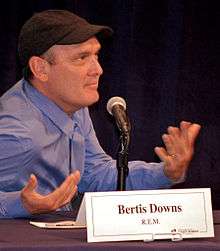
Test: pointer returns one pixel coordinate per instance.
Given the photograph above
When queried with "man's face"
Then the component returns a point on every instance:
(74, 75)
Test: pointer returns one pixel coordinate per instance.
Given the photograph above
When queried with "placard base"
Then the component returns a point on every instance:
(172, 236)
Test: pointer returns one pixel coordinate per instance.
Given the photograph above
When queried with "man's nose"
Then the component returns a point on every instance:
(95, 67)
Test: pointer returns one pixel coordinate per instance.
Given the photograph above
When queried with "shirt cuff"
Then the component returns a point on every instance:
(180, 180)
(11, 205)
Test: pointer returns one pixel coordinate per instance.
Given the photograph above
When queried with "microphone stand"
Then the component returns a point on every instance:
(122, 161)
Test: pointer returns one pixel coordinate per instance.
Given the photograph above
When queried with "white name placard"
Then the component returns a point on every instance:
(147, 215)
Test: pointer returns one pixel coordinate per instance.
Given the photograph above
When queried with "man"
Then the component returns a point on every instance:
(48, 147)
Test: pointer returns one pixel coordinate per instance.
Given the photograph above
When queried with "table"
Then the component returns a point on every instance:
(19, 235)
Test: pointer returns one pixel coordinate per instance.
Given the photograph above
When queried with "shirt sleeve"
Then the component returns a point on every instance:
(12, 156)
(100, 172)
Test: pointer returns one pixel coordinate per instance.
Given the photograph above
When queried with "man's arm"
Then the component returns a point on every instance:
(18, 197)
(11, 159)
(100, 169)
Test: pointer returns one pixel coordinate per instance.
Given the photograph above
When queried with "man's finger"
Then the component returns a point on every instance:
(184, 126)
(71, 189)
(66, 196)
(31, 185)
(161, 153)
(168, 142)
(174, 131)
(71, 195)
(76, 176)
(193, 132)
(66, 189)
(70, 181)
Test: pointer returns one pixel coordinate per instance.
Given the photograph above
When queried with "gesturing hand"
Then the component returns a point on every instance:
(179, 149)
(36, 203)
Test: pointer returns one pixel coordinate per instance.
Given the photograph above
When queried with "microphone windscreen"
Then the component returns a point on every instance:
(115, 101)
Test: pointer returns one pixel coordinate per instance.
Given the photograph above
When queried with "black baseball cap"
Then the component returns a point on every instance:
(50, 27)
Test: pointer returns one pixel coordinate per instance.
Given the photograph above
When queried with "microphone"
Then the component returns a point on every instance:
(116, 106)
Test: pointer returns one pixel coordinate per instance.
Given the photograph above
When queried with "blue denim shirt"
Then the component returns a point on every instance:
(37, 137)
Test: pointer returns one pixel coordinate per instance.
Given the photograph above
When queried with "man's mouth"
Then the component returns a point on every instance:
(92, 85)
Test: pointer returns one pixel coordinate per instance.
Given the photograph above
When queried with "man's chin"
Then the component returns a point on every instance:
(93, 99)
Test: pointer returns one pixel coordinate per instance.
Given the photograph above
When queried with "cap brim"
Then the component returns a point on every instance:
(82, 35)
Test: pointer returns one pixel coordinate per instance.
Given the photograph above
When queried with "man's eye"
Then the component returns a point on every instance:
(82, 57)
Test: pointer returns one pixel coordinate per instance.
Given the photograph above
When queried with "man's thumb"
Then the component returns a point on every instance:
(31, 185)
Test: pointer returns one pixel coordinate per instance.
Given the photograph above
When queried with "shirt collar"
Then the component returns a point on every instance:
(50, 109)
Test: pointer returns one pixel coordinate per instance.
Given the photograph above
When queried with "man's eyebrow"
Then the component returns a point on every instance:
(87, 51)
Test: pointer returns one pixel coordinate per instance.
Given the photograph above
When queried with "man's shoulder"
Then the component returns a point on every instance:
(13, 90)
(15, 101)
(16, 110)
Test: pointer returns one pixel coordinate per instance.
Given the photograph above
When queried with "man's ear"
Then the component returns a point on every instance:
(39, 68)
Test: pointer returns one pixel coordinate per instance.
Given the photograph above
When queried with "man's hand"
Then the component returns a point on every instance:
(36, 203)
(179, 144)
